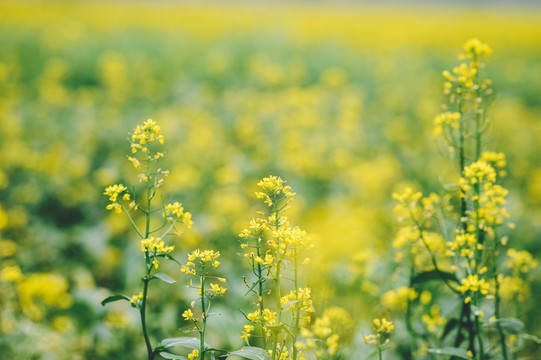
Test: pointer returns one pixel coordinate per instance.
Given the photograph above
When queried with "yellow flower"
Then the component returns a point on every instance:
(193, 355)
(247, 332)
(187, 315)
(155, 245)
(113, 192)
(217, 289)
(43, 289)
(472, 283)
(11, 274)
(273, 187)
(136, 298)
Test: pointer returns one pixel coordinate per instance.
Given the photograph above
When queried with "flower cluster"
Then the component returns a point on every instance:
(398, 298)
(445, 121)
(520, 262)
(473, 284)
(479, 173)
(299, 299)
(407, 204)
(176, 211)
(113, 192)
(144, 135)
(273, 190)
(194, 355)
(135, 299)
(198, 259)
(433, 320)
(155, 245)
(39, 289)
(382, 328)
(321, 338)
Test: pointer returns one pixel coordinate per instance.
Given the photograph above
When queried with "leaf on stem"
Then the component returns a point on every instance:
(433, 275)
(167, 355)
(451, 324)
(164, 277)
(187, 342)
(114, 298)
(167, 256)
(509, 325)
(251, 352)
(451, 351)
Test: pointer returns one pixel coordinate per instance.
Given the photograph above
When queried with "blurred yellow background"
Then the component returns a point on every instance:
(337, 98)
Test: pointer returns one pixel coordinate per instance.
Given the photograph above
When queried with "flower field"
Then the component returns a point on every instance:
(332, 179)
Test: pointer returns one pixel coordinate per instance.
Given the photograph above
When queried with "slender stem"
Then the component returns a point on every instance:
(409, 325)
(478, 133)
(277, 279)
(142, 311)
(148, 265)
(462, 164)
(432, 256)
(497, 300)
(132, 222)
(203, 316)
(297, 305)
(260, 289)
(479, 338)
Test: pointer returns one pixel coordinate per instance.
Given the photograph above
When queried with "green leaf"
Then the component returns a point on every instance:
(254, 285)
(167, 256)
(251, 352)
(531, 337)
(187, 342)
(433, 275)
(372, 355)
(451, 351)
(509, 325)
(288, 304)
(164, 277)
(114, 298)
(451, 324)
(167, 355)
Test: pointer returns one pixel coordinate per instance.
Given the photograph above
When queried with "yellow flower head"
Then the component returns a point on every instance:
(144, 134)
(187, 315)
(474, 47)
(136, 298)
(193, 355)
(200, 258)
(155, 245)
(273, 190)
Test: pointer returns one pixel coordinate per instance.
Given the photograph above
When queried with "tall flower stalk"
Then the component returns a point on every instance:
(145, 142)
(270, 241)
(199, 264)
(462, 248)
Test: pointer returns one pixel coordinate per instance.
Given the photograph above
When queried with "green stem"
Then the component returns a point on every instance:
(260, 289)
(297, 306)
(132, 222)
(409, 325)
(432, 256)
(479, 338)
(203, 316)
(497, 300)
(478, 134)
(277, 279)
(462, 165)
(142, 311)
(148, 265)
